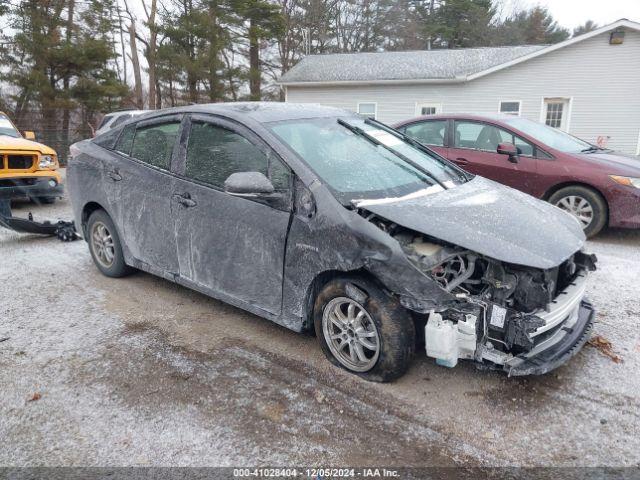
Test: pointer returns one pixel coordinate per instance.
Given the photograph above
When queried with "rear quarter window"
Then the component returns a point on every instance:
(125, 140)
(108, 140)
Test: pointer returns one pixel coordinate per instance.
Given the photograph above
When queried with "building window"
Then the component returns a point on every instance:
(556, 112)
(510, 108)
(428, 108)
(368, 110)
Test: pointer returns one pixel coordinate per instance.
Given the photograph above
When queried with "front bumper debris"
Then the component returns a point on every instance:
(65, 231)
(575, 335)
(546, 339)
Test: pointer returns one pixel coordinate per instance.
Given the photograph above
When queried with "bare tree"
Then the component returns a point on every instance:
(152, 47)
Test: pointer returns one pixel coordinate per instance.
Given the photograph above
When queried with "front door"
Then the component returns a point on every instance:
(232, 246)
(145, 189)
(475, 149)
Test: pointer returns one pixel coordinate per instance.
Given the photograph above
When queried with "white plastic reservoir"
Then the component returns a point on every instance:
(446, 341)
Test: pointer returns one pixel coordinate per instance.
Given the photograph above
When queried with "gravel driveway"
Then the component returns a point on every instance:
(139, 371)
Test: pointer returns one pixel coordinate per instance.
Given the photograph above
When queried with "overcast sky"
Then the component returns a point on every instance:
(571, 13)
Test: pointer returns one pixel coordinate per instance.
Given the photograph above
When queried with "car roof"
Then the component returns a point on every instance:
(119, 113)
(493, 117)
(260, 112)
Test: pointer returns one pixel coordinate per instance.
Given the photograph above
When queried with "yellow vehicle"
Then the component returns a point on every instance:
(27, 168)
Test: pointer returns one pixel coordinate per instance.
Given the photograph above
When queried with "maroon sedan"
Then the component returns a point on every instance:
(598, 186)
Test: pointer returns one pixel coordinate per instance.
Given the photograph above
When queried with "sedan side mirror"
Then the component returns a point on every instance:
(248, 184)
(28, 135)
(508, 149)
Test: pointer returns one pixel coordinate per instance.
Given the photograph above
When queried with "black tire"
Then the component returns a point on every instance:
(115, 268)
(394, 327)
(596, 202)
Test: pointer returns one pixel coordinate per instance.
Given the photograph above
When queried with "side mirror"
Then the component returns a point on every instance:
(248, 184)
(508, 149)
(29, 135)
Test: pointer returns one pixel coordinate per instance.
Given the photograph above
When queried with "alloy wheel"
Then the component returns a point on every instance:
(103, 245)
(351, 334)
(577, 206)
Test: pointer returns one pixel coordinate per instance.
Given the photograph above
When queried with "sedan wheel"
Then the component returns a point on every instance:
(104, 245)
(579, 207)
(363, 329)
(585, 204)
(102, 242)
(350, 334)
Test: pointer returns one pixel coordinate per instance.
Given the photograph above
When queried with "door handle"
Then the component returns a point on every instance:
(462, 161)
(184, 200)
(114, 175)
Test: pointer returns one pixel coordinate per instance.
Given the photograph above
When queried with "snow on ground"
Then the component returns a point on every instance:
(140, 371)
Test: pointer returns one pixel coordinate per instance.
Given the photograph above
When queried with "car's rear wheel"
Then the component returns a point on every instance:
(585, 204)
(105, 246)
(364, 330)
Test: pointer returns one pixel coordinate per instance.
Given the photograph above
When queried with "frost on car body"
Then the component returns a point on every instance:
(314, 217)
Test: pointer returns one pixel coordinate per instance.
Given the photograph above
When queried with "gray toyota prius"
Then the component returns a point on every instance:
(319, 219)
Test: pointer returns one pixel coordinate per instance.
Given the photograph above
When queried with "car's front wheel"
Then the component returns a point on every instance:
(584, 204)
(364, 330)
(105, 246)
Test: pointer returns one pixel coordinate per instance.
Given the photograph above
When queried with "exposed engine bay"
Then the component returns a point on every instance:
(499, 309)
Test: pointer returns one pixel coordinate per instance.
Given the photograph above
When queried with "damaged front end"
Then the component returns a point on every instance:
(519, 319)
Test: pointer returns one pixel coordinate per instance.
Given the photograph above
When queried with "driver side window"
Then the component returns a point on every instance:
(214, 153)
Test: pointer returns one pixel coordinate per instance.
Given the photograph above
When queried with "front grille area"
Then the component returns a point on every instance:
(19, 162)
(563, 307)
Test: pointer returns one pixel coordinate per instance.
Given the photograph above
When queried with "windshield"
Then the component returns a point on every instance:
(7, 128)
(550, 136)
(355, 167)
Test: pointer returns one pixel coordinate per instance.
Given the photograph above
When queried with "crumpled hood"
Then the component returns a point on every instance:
(490, 219)
(12, 143)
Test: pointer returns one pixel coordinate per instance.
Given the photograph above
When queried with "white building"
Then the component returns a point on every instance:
(588, 85)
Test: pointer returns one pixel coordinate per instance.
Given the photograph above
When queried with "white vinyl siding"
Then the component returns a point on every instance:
(600, 79)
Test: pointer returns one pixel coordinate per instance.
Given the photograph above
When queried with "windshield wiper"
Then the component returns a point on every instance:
(591, 148)
(359, 131)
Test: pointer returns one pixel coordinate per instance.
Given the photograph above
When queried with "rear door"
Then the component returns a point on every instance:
(145, 186)
(232, 246)
(432, 133)
(474, 148)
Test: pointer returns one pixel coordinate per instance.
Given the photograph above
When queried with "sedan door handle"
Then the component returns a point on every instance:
(184, 200)
(114, 175)
(462, 161)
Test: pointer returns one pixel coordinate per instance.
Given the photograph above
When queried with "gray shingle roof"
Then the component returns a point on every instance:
(415, 65)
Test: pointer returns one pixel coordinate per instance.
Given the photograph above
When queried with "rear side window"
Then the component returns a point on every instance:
(214, 153)
(153, 144)
(124, 143)
(429, 133)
